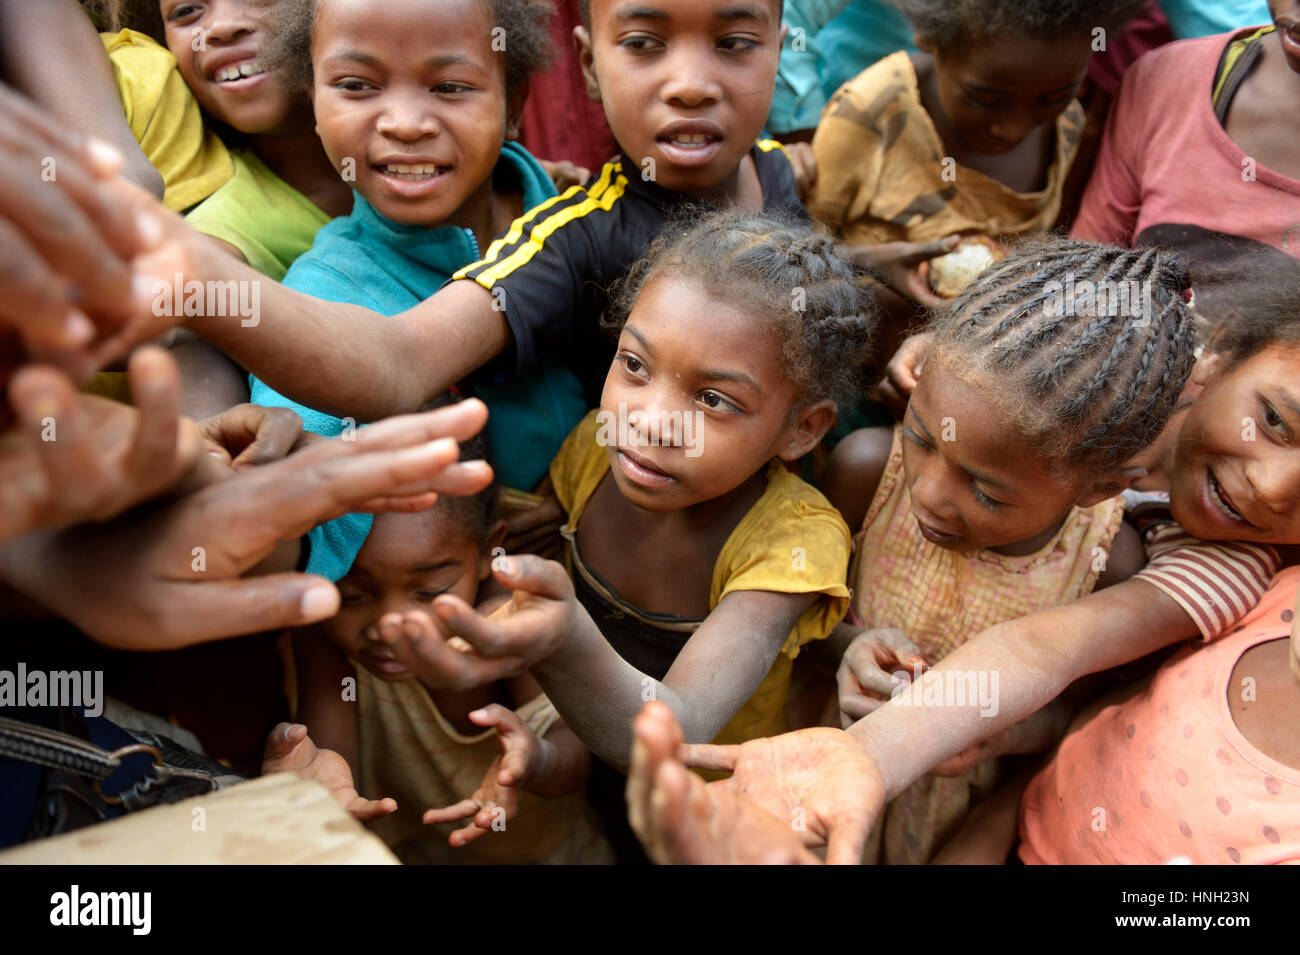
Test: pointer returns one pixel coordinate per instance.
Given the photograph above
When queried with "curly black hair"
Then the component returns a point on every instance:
(952, 23)
(526, 46)
(789, 272)
(1090, 346)
(475, 514)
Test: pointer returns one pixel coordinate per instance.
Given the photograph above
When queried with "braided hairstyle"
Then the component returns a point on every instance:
(954, 23)
(789, 273)
(1089, 347)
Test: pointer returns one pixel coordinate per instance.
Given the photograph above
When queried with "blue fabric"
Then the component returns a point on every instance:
(829, 43)
(1193, 18)
(365, 259)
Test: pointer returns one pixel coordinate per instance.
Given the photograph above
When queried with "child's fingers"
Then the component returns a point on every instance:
(38, 302)
(275, 432)
(847, 836)
(165, 444)
(367, 809)
(210, 611)
(457, 811)
(534, 575)
(709, 756)
(463, 837)
(406, 504)
(857, 706)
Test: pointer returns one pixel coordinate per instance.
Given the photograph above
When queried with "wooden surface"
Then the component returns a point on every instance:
(276, 819)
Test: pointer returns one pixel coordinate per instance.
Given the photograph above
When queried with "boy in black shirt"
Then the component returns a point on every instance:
(686, 86)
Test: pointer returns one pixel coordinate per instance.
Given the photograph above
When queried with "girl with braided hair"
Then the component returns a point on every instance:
(998, 494)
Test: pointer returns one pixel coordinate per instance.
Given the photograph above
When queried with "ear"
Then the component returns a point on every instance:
(491, 549)
(515, 100)
(810, 426)
(924, 43)
(1111, 485)
(586, 61)
(1208, 365)
(785, 30)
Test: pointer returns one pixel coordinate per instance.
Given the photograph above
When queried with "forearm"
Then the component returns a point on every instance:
(562, 764)
(51, 52)
(1024, 665)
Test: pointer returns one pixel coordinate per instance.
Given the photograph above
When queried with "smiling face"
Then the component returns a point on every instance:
(693, 360)
(406, 561)
(685, 83)
(413, 93)
(974, 481)
(1236, 466)
(216, 44)
(995, 93)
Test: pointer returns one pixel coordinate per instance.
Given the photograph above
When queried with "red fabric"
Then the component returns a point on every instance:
(1146, 31)
(560, 120)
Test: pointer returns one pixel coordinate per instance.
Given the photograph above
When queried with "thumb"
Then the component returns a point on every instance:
(506, 721)
(534, 575)
(924, 251)
(282, 741)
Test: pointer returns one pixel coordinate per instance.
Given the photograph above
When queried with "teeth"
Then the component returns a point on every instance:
(692, 139)
(238, 71)
(418, 171)
(1218, 499)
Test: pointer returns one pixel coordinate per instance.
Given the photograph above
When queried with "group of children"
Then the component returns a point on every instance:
(1094, 457)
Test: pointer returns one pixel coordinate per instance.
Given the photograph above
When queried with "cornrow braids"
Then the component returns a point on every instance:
(526, 46)
(953, 23)
(792, 276)
(1088, 345)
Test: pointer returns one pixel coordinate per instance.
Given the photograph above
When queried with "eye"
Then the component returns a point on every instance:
(1274, 420)
(715, 402)
(984, 499)
(979, 103)
(181, 11)
(352, 84)
(736, 44)
(632, 365)
(915, 438)
(640, 44)
(427, 596)
(449, 88)
(351, 600)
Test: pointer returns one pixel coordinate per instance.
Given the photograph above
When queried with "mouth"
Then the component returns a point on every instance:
(641, 472)
(412, 172)
(1221, 502)
(936, 536)
(238, 73)
(1289, 30)
(385, 666)
(690, 143)
(412, 180)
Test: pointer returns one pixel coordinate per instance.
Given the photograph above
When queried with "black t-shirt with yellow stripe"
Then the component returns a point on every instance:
(552, 269)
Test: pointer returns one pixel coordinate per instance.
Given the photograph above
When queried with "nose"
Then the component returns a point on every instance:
(228, 21)
(371, 632)
(407, 118)
(1011, 128)
(1275, 480)
(657, 418)
(693, 83)
(934, 492)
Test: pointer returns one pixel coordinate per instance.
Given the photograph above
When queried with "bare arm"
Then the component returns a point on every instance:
(330, 719)
(1034, 659)
(599, 693)
(51, 52)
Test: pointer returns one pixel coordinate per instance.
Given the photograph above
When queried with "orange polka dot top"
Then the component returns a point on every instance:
(1167, 774)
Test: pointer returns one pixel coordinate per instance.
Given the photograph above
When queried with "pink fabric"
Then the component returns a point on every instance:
(1166, 160)
(1167, 773)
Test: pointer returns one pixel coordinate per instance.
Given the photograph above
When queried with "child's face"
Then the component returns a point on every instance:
(1286, 14)
(1236, 470)
(216, 45)
(998, 92)
(412, 93)
(974, 484)
(695, 366)
(406, 561)
(686, 84)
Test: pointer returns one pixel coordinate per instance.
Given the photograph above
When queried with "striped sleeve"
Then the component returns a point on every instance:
(1216, 582)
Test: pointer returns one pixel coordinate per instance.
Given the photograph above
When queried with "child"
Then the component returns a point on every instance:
(412, 85)
(975, 133)
(283, 188)
(1198, 156)
(686, 88)
(704, 563)
(1205, 764)
(997, 496)
(429, 747)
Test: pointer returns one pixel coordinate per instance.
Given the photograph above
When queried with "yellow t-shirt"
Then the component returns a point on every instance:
(261, 215)
(882, 174)
(166, 120)
(791, 541)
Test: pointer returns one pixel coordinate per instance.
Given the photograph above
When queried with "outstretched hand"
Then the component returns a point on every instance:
(497, 798)
(290, 750)
(809, 788)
